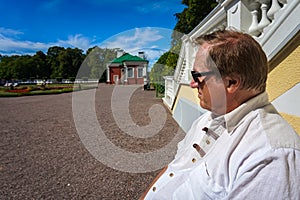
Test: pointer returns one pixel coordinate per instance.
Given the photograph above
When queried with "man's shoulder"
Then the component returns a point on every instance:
(277, 130)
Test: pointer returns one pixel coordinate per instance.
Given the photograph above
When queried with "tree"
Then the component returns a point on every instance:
(43, 69)
(4, 68)
(23, 67)
(157, 71)
(69, 61)
(94, 65)
(191, 16)
(52, 61)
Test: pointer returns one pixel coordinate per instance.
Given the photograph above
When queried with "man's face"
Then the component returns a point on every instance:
(211, 89)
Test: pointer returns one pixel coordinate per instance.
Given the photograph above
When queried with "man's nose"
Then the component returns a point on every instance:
(193, 84)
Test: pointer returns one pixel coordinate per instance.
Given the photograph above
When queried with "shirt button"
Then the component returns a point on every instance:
(194, 160)
(154, 189)
(171, 174)
(207, 142)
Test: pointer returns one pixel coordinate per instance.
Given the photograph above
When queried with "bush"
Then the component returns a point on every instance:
(160, 90)
(59, 79)
(72, 79)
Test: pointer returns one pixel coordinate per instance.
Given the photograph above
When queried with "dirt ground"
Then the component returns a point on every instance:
(42, 156)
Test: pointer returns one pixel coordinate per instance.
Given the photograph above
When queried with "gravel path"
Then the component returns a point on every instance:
(42, 156)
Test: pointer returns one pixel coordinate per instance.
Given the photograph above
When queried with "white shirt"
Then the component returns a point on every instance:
(249, 153)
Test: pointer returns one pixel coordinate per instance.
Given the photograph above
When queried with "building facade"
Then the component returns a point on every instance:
(127, 69)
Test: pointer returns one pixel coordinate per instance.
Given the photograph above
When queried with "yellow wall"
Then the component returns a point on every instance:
(187, 92)
(282, 78)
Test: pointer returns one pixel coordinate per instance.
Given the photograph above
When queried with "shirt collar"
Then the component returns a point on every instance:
(216, 124)
(234, 117)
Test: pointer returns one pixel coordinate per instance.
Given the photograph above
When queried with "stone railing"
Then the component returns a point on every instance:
(169, 91)
(263, 14)
(271, 22)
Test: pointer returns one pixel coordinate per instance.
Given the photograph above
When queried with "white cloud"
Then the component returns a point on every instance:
(11, 44)
(153, 41)
(77, 40)
(134, 38)
(153, 55)
(10, 32)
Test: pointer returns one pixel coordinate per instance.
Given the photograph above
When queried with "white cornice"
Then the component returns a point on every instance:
(211, 21)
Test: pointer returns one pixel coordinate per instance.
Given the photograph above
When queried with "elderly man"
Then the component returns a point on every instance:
(241, 148)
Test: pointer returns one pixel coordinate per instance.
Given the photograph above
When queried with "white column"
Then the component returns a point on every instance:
(145, 68)
(126, 73)
(264, 18)
(274, 8)
(190, 54)
(107, 74)
(253, 29)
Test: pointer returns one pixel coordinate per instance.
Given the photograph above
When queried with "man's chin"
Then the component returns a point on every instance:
(204, 106)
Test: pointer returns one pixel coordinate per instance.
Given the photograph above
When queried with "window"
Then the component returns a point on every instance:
(130, 73)
(140, 72)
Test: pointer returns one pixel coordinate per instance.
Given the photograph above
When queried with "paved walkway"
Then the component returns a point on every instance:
(42, 156)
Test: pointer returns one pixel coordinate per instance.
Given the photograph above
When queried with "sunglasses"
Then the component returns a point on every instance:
(196, 75)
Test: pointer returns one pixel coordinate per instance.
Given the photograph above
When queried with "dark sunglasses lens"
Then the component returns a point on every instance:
(196, 79)
(195, 76)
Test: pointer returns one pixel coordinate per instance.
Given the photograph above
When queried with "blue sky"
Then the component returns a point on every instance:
(33, 25)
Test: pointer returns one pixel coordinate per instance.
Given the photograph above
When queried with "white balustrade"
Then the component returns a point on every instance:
(274, 8)
(266, 10)
(283, 2)
(253, 29)
(264, 18)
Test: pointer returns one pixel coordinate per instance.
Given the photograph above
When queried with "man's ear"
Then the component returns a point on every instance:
(232, 84)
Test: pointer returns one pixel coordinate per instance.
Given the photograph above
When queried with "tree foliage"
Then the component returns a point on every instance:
(193, 14)
(96, 61)
(158, 68)
(57, 63)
